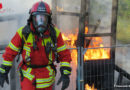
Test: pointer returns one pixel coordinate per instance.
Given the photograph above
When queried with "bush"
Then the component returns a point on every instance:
(123, 30)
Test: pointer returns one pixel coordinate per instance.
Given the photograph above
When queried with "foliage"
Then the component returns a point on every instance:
(123, 30)
(123, 23)
(124, 8)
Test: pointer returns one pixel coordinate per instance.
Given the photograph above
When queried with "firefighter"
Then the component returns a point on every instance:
(40, 44)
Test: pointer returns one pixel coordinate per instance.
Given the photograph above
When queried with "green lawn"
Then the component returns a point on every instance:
(123, 30)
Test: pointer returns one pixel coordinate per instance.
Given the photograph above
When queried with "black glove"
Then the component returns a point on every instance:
(4, 70)
(65, 72)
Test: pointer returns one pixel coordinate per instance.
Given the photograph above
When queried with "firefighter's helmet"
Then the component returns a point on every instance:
(40, 15)
(40, 7)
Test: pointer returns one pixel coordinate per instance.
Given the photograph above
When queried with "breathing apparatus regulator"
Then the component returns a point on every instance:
(40, 16)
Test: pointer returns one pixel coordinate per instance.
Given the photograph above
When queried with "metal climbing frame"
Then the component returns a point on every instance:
(82, 45)
(82, 74)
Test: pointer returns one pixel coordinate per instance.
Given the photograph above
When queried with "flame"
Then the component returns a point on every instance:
(59, 9)
(70, 40)
(87, 87)
(94, 54)
(91, 54)
(86, 30)
(100, 53)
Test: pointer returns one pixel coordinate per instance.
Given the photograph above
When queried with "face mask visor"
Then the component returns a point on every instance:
(40, 22)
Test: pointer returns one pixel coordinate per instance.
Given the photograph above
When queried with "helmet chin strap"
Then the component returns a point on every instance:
(41, 34)
(41, 29)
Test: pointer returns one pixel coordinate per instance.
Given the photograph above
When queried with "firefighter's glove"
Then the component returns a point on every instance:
(65, 72)
(4, 70)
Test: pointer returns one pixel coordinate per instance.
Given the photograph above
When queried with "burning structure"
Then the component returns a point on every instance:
(90, 35)
(93, 43)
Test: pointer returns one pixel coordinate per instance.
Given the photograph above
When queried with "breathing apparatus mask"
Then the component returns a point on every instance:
(40, 22)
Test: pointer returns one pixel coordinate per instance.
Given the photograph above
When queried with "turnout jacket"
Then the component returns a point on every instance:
(38, 56)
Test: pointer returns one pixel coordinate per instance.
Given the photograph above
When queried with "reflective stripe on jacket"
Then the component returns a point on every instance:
(38, 57)
(16, 44)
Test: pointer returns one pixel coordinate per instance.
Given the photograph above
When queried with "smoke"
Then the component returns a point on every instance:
(68, 23)
(13, 15)
(100, 10)
(19, 6)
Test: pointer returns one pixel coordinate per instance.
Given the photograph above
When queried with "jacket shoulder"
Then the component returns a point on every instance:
(19, 31)
(57, 31)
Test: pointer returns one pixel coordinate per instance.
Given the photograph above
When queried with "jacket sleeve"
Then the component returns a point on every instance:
(63, 52)
(13, 48)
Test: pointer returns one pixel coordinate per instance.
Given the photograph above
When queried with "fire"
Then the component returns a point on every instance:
(87, 87)
(59, 9)
(91, 54)
(70, 40)
(100, 53)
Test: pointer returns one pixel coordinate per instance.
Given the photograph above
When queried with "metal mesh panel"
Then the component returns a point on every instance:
(98, 73)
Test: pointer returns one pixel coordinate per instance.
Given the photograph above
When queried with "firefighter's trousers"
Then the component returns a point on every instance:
(37, 78)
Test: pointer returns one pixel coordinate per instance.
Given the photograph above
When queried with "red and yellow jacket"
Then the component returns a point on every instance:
(38, 57)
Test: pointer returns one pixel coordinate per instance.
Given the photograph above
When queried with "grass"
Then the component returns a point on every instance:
(123, 30)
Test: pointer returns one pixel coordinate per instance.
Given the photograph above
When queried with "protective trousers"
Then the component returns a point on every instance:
(26, 84)
(37, 78)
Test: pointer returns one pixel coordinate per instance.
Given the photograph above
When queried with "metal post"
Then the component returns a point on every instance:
(113, 31)
(114, 22)
(54, 11)
(122, 72)
(54, 20)
(80, 76)
(78, 69)
(80, 45)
